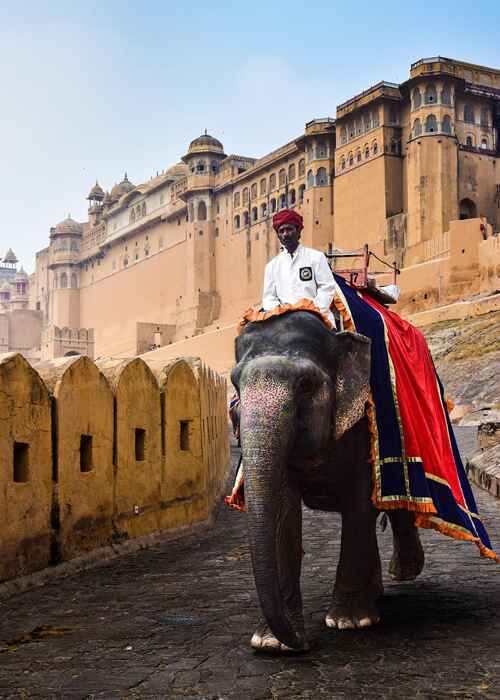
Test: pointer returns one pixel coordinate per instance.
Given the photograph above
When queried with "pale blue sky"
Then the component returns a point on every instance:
(91, 89)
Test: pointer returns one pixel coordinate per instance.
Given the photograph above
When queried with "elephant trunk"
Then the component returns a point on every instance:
(273, 505)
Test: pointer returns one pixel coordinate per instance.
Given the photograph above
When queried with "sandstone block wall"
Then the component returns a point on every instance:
(92, 454)
(25, 469)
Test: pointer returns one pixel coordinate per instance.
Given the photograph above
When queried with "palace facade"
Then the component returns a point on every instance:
(411, 169)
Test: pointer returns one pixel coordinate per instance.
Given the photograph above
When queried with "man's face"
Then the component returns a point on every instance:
(289, 236)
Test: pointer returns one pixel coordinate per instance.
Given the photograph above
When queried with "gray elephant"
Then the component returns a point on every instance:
(304, 437)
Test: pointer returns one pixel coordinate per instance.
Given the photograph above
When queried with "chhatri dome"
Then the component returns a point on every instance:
(10, 257)
(96, 192)
(121, 188)
(206, 143)
(68, 225)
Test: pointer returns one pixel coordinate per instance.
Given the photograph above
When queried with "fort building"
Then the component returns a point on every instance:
(412, 169)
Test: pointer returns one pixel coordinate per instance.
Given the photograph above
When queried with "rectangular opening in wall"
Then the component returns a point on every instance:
(86, 464)
(140, 444)
(184, 435)
(21, 462)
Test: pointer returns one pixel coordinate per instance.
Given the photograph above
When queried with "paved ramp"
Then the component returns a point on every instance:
(175, 622)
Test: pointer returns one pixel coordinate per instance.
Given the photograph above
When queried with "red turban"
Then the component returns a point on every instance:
(287, 216)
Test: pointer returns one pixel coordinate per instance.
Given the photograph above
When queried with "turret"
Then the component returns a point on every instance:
(95, 199)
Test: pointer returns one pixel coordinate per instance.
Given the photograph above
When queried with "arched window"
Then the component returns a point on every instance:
(321, 177)
(358, 156)
(358, 125)
(263, 186)
(132, 216)
(310, 179)
(245, 195)
(484, 143)
(292, 197)
(469, 115)
(263, 210)
(214, 166)
(73, 281)
(282, 177)
(350, 158)
(469, 141)
(64, 280)
(430, 124)
(343, 135)
(352, 131)
(272, 182)
(202, 211)
(237, 221)
(253, 191)
(446, 95)
(367, 150)
(273, 205)
(342, 163)
(430, 94)
(200, 166)
(291, 172)
(468, 209)
(375, 119)
(143, 209)
(446, 125)
(246, 218)
(374, 148)
(416, 98)
(321, 150)
(302, 167)
(484, 116)
(236, 199)
(367, 120)
(282, 201)
(255, 214)
(301, 193)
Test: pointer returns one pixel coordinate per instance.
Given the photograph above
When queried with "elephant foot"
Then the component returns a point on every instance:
(407, 559)
(264, 641)
(351, 611)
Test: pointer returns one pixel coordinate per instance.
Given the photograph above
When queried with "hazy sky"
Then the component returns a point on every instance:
(93, 89)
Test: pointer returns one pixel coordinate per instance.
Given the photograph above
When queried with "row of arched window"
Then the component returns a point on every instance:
(275, 180)
(137, 212)
(318, 180)
(431, 126)
(431, 96)
(470, 142)
(264, 211)
(359, 126)
(204, 166)
(368, 151)
(470, 115)
(63, 281)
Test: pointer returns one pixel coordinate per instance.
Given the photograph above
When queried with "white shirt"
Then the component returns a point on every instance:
(305, 274)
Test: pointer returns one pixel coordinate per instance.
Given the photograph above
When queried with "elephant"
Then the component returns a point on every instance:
(305, 438)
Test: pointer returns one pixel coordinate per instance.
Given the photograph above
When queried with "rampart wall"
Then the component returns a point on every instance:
(93, 454)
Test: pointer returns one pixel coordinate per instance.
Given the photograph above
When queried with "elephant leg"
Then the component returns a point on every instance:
(359, 580)
(289, 545)
(408, 555)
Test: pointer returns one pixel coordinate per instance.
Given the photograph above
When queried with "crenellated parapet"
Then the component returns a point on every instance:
(96, 454)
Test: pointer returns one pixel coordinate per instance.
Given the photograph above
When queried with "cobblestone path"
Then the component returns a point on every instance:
(175, 622)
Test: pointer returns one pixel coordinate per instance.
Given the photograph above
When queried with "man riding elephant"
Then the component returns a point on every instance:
(353, 422)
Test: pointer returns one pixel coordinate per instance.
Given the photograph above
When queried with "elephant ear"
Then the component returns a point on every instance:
(353, 380)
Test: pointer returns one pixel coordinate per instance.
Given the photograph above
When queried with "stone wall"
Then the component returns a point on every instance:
(95, 454)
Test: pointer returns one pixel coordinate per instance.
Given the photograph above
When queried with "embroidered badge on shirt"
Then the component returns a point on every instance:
(306, 274)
